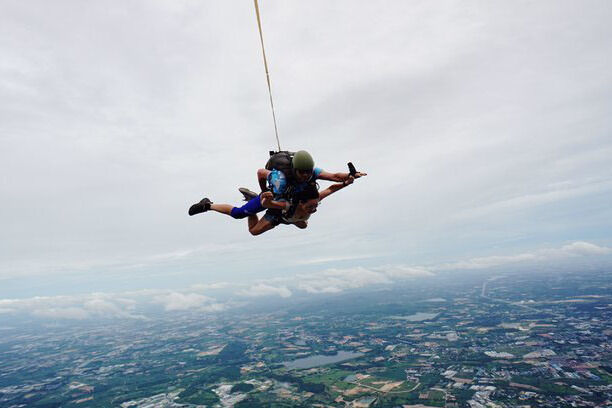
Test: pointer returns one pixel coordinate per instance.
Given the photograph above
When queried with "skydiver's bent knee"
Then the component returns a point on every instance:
(253, 206)
(255, 232)
(261, 227)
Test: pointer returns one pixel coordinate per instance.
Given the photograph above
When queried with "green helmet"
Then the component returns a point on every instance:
(302, 160)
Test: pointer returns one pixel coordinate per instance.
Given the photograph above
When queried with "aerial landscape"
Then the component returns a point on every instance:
(501, 341)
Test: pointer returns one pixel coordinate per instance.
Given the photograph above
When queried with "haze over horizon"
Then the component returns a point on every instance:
(484, 129)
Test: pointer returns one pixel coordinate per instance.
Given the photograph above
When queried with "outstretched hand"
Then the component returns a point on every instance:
(353, 171)
(354, 176)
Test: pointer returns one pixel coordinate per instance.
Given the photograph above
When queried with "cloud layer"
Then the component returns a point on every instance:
(543, 256)
(222, 296)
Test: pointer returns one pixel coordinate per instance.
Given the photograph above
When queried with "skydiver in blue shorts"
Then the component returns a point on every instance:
(283, 185)
(296, 212)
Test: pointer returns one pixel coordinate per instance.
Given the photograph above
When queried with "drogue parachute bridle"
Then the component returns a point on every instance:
(263, 51)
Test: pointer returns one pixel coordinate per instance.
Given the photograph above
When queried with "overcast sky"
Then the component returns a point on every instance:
(484, 126)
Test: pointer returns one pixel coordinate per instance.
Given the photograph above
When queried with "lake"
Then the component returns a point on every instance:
(319, 360)
(417, 317)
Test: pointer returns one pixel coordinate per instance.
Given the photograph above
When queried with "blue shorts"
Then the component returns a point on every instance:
(252, 207)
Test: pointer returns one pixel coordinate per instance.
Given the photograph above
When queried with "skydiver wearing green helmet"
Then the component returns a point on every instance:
(282, 181)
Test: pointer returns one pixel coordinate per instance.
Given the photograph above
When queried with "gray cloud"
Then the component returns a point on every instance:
(338, 280)
(583, 250)
(481, 126)
(262, 289)
(72, 313)
(84, 306)
(186, 301)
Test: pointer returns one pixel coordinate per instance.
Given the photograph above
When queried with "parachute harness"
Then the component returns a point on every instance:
(263, 51)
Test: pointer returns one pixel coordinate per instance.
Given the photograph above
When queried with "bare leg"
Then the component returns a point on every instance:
(260, 226)
(222, 208)
(253, 220)
(256, 226)
(301, 224)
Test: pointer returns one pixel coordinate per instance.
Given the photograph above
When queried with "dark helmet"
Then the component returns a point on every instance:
(302, 160)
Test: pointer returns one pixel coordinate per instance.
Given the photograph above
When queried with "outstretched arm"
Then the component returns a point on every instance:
(339, 176)
(335, 187)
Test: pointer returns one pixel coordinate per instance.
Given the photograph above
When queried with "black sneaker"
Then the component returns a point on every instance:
(248, 194)
(202, 206)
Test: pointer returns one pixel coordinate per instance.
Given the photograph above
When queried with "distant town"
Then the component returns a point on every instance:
(490, 340)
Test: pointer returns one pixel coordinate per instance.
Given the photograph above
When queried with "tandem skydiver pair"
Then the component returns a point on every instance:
(289, 192)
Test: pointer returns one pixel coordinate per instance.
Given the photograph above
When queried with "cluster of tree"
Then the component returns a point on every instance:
(232, 353)
(242, 387)
(253, 402)
(301, 384)
(196, 395)
(234, 350)
(546, 385)
(412, 398)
